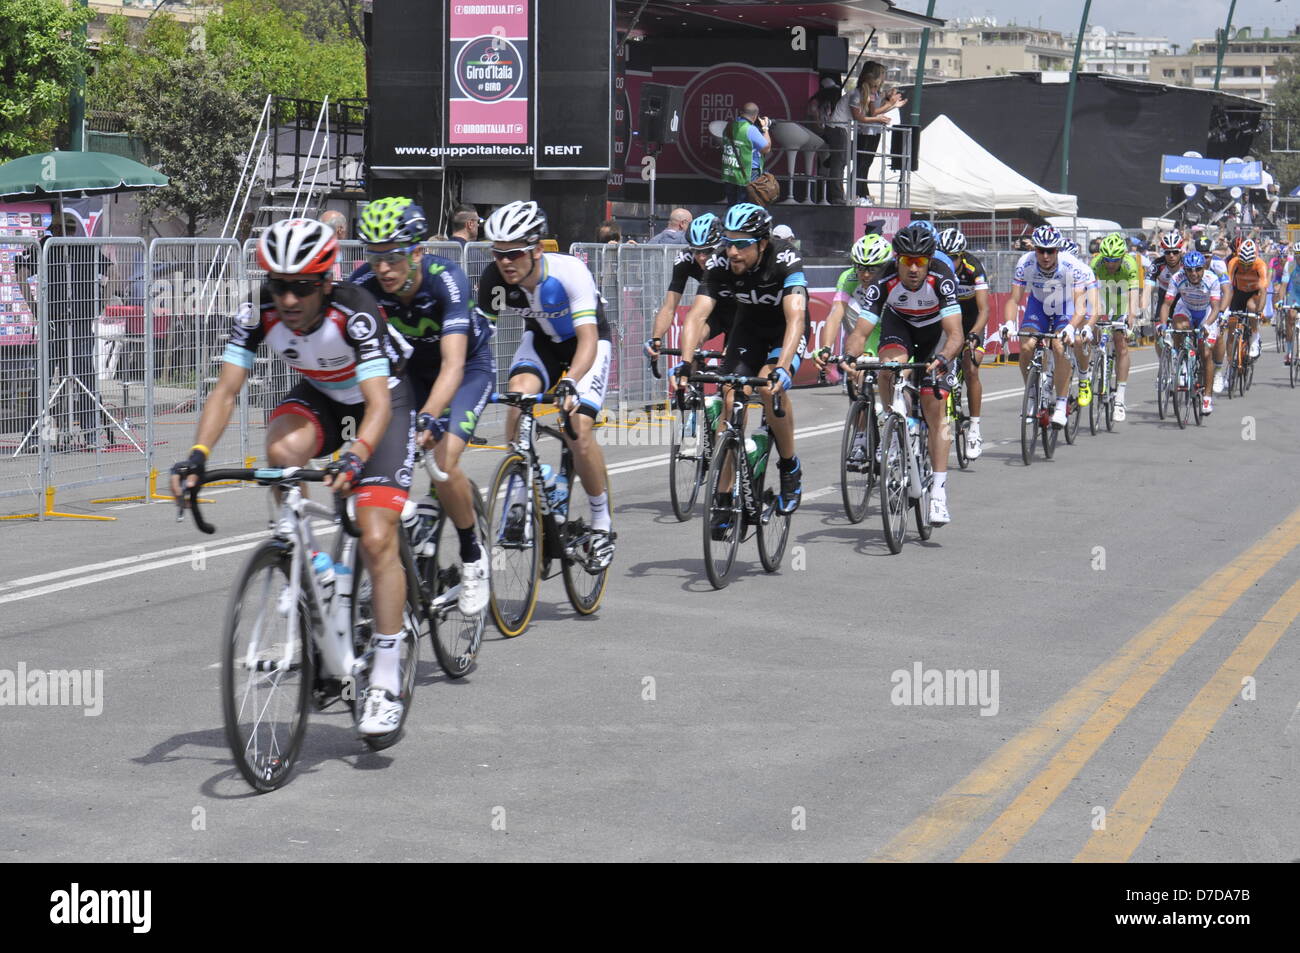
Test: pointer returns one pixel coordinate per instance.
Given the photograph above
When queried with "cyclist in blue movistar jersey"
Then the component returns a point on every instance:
(451, 371)
(565, 333)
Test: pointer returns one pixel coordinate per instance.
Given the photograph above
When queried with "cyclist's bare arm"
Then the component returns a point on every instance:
(982, 317)
(693, 326)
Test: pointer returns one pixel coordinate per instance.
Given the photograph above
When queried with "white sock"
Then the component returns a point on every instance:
(385, 669)
(1060, 401)
(975, 421)
(939, 489)
(1119, 391)
(600, 511)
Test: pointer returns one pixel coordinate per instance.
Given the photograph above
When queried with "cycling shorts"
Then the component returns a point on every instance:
(1240, 299)
(750, 349)
(471, 397)
(1195, 316)
(548, 360)
(1036, 319)
(386, 480)
(921, 343)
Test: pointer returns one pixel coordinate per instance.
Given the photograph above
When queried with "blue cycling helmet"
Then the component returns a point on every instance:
(1045, 236)
(929, 226)
(704, 232)
(1194, 259)
(748, 218)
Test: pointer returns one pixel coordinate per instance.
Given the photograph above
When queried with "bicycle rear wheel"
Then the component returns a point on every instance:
(456, 637)
(584, 587)
(858, 476)
(893, 481)
(515, 545)
(1162, 381)
(1074, 413)
(924, 528)
(266, 670)
(1295, 365)
(720, 554)
(686, 470)
(773, 526)
(1029, 418)
(1096, 409)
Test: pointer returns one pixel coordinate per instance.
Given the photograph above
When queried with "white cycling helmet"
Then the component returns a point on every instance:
(297, 246)
(516, 222)
(952, 242)
(1248, 251)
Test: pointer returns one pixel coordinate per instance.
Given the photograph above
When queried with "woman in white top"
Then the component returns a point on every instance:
(871, 107)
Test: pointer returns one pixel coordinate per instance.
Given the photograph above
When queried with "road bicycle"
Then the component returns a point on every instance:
(298, 628)
(860, 445)
(1102, 373)
(956, 418)
(1186, 383)
(1239, 368)
(738, 499)
(532, 524)
(1039, 401)
(1295, 349)
(906, 471)
(693, 436)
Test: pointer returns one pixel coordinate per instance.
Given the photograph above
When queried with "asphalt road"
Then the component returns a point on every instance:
(1128, 609)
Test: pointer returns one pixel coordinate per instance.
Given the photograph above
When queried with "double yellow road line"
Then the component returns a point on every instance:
(1073, 730)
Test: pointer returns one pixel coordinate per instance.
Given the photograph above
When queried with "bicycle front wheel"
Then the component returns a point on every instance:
(893, 481)
(456, 637)
(857, 473)
(515, 534)
(1075, 414)
(1178, 392)
(1295, 365)
(1096, 409)
(266, 670)
(584, 587)
(1029, 418)
(773, 526)
(723, 526)
(1162, 382)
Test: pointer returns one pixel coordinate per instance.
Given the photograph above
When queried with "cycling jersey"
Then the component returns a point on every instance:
(724, 312)
(1116, 284)
(351, 343)
(440, 306)
(970, 277)
(1249, 278)
(758, 293)
(1197, 297)
(849, 289)
(564, 300)
(1052, 293)
(935, 300)
(1160, 274)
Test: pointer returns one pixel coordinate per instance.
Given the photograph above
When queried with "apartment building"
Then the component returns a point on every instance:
(1249, 63)
(1121, 53)
(965, 48)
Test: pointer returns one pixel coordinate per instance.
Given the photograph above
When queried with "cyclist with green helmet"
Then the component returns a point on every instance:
(1119, 276)
(451, 370)
(869, 256)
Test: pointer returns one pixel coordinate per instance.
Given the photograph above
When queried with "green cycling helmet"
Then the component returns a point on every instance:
(1113, 246)
(394, 219)
(871, 250)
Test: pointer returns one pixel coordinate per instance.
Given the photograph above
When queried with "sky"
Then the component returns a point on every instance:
(1180, 20)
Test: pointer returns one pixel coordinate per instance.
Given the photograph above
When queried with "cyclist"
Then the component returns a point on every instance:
(703, 237)
(1070, 257)
(1118, 275)
(1056, 303)
(351, 364)
(1159, 275)
(1289, 295)
(764, 276)
(1193, 298)
(869, 256)
(451, 370)
(915, 301)
(564, 328)
(973, 296)
(1247, 278)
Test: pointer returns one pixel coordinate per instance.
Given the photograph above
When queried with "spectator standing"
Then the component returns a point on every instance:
(744, 143)
(464, 224)
(675, 234)
(832, 111)
(870, 107)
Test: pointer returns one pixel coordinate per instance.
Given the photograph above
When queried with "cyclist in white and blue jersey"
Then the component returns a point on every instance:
(565, 344)
(1056, 302)
(1194, 298)
(1290, 295)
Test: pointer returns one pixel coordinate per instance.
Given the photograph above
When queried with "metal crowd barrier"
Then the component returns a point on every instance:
(21, 396)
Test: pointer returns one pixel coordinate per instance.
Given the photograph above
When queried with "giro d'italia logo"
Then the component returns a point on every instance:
(489, 69)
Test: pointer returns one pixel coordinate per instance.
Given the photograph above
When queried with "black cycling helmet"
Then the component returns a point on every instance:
(914, 239)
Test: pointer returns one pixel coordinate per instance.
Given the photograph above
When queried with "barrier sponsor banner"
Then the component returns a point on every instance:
(1181, 169)
(487, 84)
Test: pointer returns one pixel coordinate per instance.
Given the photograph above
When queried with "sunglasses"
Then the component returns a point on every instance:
(389, 257)
(300, 289)
(513, 255)
(914, 261)
(739, 242)
(1112, 261)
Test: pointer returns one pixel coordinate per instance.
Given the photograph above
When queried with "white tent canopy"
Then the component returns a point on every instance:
(957, 174)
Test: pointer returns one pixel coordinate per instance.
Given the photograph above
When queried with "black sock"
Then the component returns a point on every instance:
(786, 464)
(469, 551)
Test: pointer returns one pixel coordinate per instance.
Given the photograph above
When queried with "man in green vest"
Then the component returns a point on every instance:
(743, 147)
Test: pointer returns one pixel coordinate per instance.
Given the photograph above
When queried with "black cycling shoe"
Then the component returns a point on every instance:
(791, 488)
(720, 525)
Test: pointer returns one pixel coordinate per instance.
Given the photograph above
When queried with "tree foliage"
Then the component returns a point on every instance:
(41, 53)
(195, 125)
(1286, 106)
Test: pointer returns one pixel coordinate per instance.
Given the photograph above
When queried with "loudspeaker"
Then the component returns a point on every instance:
(832, 54)
(661, 113)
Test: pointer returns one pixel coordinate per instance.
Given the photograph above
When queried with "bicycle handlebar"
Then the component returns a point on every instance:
(676, 352)
(264, 476)
(526, 401)
(739, 380)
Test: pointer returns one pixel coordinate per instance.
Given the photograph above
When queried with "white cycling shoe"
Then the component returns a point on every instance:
(1059, 416)
(974, 444)
(1120, 411)
(1218, 382)
(381, 713)
(474, 585)
(939, 512)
